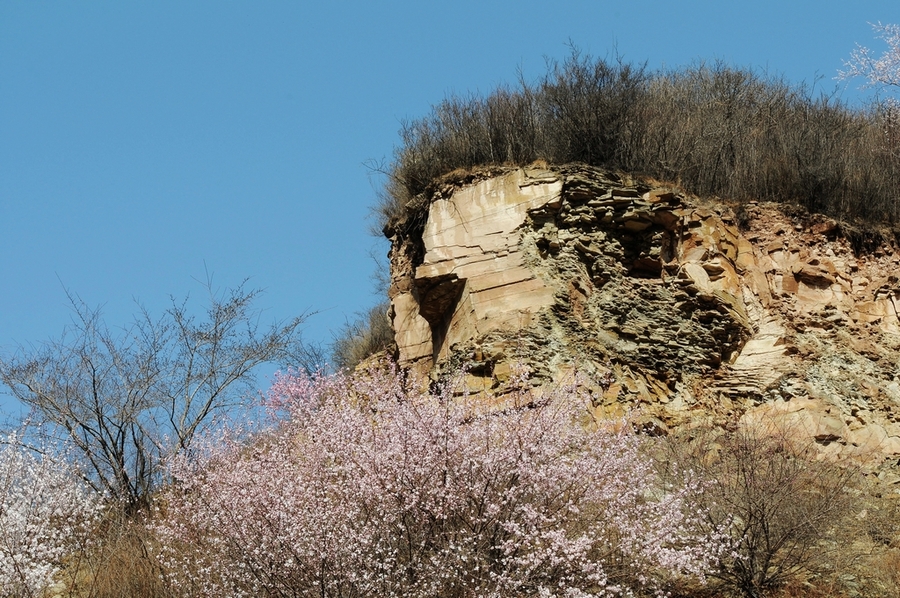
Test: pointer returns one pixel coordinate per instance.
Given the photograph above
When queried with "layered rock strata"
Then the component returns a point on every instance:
(660, 301)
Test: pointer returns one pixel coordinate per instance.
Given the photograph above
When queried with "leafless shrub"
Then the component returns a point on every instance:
(717, 130)
(369, 333)
(779, 504)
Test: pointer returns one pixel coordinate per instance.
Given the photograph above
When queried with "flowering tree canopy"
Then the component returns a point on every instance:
(368, 488)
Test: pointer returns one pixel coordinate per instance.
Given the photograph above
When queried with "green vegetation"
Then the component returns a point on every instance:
(716, 130)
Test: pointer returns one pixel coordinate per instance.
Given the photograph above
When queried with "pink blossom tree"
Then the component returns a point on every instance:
(368, 488)
(45, 515)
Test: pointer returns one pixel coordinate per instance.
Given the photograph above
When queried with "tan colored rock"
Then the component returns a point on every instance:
(873, 439)
(472, 279)
(660, 301)
(805, 421)
(812, 275)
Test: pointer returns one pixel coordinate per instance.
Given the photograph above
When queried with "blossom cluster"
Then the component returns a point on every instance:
(45, 515)
(879, 71)
(369, 488)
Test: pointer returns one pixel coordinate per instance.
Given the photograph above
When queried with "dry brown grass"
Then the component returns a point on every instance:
(885, 569)
(117, 565)
(369, 333)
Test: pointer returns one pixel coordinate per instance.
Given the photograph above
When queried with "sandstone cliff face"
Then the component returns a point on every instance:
(662, 302)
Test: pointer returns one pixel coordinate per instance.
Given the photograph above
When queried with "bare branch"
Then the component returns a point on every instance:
(127, 400)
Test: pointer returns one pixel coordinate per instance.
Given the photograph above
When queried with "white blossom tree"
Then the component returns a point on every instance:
(881, 71)
(46, 514)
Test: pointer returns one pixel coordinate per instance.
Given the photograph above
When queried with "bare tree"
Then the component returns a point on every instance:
(773, 497)
(128, 398)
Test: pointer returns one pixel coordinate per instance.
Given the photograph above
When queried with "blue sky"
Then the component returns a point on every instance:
(144, 144)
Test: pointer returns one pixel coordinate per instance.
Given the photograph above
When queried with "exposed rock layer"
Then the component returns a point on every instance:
(661, 301)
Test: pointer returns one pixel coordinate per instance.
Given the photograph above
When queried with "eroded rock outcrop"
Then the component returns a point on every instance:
(661, 301)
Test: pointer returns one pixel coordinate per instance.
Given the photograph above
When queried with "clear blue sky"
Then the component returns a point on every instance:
(144, 143)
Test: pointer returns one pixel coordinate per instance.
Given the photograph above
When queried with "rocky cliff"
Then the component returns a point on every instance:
(664, 302)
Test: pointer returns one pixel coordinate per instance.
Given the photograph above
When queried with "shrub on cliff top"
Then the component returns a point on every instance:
(717, 130)
(371, 489)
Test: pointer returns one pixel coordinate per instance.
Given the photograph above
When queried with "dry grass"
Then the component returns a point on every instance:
(885, 569)
(117, 565)
(369, 333)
